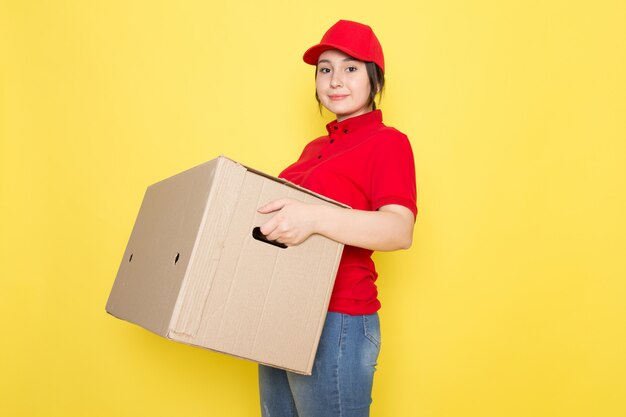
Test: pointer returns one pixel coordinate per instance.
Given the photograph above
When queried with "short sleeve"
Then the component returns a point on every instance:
(393, 173)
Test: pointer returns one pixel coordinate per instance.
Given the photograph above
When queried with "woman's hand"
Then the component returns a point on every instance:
(386, 229)
(293, 222)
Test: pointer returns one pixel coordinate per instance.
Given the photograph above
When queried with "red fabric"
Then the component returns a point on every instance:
(366, 165)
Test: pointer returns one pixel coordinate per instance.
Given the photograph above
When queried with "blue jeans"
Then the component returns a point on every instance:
(342, 377)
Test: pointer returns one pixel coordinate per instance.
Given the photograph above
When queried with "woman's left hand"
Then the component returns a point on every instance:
(293, 222)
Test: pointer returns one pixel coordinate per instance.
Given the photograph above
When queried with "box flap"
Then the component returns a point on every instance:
(290, 184)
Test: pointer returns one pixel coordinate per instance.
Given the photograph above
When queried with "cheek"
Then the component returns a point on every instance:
(363, 88)
(318, 86)
(321, 91)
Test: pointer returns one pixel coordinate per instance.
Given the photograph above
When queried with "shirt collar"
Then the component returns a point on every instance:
(352, 124)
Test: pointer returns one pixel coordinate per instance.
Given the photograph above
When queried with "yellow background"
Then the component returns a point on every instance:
(511, 302)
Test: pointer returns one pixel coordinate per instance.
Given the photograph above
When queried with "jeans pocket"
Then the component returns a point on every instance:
(371, 329)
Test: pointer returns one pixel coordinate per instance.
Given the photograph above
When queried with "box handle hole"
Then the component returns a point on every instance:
(256, 234)
(176, 258)
(131, 258)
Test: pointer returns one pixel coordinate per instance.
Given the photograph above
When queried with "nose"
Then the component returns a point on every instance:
(336, 79)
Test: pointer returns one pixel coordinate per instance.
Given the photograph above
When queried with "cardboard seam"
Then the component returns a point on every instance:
(183, 294)
(192, 259)
(205, 301)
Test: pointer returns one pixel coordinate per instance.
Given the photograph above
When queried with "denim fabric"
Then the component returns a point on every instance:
(342, 378)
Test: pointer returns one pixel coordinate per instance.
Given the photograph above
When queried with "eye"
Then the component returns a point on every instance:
(351, 69)
(324, 70)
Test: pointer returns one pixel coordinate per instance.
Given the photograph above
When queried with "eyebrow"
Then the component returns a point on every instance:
(344, 60)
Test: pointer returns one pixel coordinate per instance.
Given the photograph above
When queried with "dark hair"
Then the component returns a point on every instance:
(377, 84)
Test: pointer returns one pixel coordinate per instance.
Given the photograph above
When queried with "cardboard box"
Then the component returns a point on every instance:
(195, 272)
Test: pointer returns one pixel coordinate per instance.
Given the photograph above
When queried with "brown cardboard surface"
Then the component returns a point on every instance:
(192, 272)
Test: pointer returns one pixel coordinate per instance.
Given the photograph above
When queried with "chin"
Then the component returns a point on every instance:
(339, 111)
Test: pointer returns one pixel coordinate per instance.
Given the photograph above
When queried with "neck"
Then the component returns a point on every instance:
(341, 118)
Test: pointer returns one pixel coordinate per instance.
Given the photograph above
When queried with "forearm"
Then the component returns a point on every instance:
(390, 228)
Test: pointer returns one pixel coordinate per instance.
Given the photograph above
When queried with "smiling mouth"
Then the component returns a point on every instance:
(336, 97)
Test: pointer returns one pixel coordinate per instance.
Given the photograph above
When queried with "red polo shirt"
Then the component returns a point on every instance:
(366, 165)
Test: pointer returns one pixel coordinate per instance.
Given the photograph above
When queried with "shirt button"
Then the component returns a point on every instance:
(332, 140)
(319, 156)
(335, 127)
(345, 131)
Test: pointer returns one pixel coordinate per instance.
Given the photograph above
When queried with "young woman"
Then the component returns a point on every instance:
(368, 166)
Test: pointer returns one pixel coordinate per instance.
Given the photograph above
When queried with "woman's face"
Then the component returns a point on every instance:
(342, 84)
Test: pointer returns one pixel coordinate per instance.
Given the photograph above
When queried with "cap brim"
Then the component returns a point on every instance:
(312, 55)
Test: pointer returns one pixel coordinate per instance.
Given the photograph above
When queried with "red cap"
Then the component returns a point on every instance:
(355, 39)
